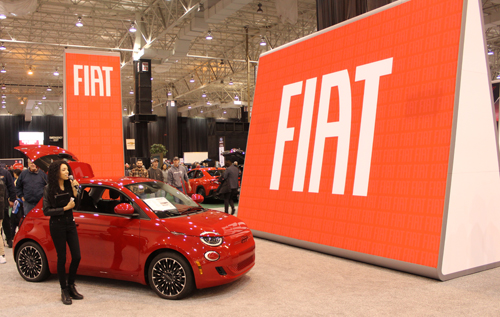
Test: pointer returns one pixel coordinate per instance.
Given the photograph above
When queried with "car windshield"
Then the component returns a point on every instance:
(215, 173)
(164, 200)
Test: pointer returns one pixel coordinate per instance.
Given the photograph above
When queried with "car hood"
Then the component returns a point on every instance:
(208, 221)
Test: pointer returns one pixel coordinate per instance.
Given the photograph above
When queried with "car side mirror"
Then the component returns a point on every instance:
(197, 198)
(124, 209)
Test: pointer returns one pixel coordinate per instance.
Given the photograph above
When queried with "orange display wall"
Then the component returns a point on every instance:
(375, 140)
(93, 127)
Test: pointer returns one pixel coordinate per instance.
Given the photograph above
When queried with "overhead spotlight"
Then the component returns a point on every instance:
(21, 102)
(498, 76)
(4, 87)
(172, 103)
(2, 16)
(49, 89)
(3, 101)
(39, 102)
(4, 96)
(209, 103)
(3, 69)
(4, 106)
(490, 52)
(224, 111)
(79, 22)
(259, 10)
(56, 73)
(36, 107)
(236, 97)
(209, 35)
(221, 62)
(60, 107)
(231, 81)
(132, 28)
(189, 107)
(131, 91)
(201, 111)
(201, 8)
(125, 108)
(192, 79)
(204, 95)
(262, 41)
(2, 47)
(43, 97)
(30, 71)
(169, 92)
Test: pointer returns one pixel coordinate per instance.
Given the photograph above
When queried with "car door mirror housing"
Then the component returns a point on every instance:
(197, 198)
(124, 209)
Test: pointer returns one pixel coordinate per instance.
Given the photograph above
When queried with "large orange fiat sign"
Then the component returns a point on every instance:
(93, 110)
(356, 133)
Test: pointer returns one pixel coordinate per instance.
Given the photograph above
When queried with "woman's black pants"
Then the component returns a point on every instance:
(63, 230)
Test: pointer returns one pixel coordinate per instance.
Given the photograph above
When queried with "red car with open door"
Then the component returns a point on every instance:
(137, 229)
(204, 181)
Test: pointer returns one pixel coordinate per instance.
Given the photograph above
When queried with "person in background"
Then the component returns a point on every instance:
(127, 169)
(176, 175)
(2, 248)
(30, 186)
(18, 208)
(231, 189)
(164, 171)
(10, 197)
(139, 170)
(58, 203)
(154, 172)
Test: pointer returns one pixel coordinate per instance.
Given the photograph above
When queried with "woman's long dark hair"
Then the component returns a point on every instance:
(53, 176)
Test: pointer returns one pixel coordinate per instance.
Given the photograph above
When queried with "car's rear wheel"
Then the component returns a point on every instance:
(170, 276)
(32, 262)
(201, 191)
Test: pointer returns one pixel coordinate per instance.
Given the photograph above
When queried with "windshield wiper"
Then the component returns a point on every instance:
(197, 208)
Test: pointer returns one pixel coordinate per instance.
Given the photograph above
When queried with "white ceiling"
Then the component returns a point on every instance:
(173, 35)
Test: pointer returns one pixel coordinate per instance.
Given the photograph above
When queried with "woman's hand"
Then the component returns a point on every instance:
(70, 205)
(75, 183)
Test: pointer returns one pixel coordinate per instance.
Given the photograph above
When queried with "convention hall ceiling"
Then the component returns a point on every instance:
(172, 33)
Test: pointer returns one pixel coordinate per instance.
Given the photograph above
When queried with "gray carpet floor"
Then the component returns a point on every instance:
(286, 281)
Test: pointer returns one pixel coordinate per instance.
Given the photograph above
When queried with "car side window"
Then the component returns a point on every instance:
(191, 174)
(199, 174)
(110, 198)
(86, 202)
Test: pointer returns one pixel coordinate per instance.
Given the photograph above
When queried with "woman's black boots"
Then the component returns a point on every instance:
(73, 292)
(65, 297)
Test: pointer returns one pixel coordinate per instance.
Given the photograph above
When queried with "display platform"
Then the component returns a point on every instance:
(375, 140)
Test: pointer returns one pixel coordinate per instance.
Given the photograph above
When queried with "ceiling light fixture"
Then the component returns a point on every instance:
(49, 89)
(3, 101)
(490, 52)
(60, 107)
(262, 41)
(36, 107)
(231, 81)
(201, 111)
(169, 92)
(3, 87)
(189, 107)
(131, 91)
(204, 95)
(224, 111)
(4, 96)
(172, 103)
(132, 28)
(39, 102)
(79, 22)
(43, 97)
(209, 103)
(3, 106)
(22, 102)
(30, 71)
(221, 62)
(209, 35)
(259, 10)
(125, 108)
(56, 73)
(3, 16)
(236, 97)
(2, 47)
(201, 8)
(3, 70)
(192, 79)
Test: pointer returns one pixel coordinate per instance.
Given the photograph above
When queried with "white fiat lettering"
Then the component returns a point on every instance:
(370, 73)
(92, 76)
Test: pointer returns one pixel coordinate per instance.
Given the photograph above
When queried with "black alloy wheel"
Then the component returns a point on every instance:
(170, 276)
(32, 262)
(201, 191)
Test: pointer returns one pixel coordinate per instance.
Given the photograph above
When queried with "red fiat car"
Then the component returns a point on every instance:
(139, 230)
(204, 180)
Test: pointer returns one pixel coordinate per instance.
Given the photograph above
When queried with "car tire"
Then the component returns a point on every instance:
(170, 276)
(201, 191)
(31, 262)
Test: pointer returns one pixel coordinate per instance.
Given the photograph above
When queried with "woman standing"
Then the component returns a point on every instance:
(164, 170)
(58, 203)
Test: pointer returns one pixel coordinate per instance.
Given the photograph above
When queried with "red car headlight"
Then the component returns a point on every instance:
(212, 239)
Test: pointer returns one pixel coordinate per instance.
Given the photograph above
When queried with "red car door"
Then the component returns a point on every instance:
(109, 243)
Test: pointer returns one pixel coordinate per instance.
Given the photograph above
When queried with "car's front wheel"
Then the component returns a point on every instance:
(201, 191)
(32, 262)
(170, 276)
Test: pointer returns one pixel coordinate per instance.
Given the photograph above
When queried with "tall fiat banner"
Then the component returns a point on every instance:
(375, 140)
(93, 126)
